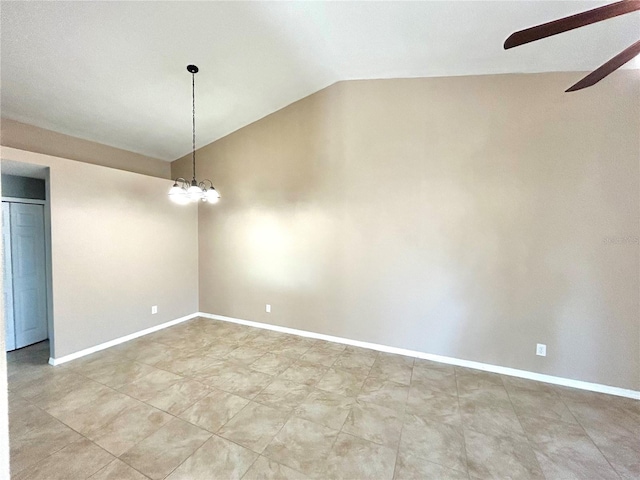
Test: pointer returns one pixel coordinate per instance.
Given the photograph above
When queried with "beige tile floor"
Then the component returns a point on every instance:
(213, 400)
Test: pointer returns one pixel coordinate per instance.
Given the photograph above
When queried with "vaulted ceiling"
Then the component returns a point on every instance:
(114, 72)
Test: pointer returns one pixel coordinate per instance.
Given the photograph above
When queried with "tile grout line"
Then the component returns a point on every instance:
(189, 456)
(115, 460)
(70, 443)
(186, 421)
(291, 413)
(133, 398)
(250, 466)
(589, 437)
(464, 435)
(78, 371)
(529, 442)
(404, 418)
(61, 448)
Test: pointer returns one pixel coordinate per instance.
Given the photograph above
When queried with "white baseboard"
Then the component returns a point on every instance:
(566, 382)
(126, 338)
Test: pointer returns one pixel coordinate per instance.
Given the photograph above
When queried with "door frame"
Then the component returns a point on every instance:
(47, 252)
(24, 200)
(41, 332)
(7, 277)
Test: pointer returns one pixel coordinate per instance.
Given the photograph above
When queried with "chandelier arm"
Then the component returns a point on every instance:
(203, 184)
(183, 182)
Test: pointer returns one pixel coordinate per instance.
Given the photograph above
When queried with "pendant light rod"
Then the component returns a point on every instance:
(193, 70)
(184, 192)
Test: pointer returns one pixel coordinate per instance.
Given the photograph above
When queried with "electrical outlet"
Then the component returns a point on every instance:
(268, 308)
(541, 349)
(154, 309)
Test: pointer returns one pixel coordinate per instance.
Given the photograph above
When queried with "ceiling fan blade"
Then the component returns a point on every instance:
(607, 68)
(569, 23)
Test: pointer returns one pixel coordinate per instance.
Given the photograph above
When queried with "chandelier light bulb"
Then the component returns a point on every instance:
(178, 195)
(212, 195)
(195, 193)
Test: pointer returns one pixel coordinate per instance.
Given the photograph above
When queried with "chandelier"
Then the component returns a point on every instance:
(183, 191)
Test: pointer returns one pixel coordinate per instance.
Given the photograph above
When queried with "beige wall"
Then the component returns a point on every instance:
(471, 217)
(34, 139)
(119, 246)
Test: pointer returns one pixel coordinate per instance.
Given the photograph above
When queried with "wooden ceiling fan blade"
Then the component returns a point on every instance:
(607, 68)
(569, 23)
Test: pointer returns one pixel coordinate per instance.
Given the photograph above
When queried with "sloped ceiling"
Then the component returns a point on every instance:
(114, 72)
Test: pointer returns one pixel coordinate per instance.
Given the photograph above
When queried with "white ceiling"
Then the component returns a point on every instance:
(114, 72)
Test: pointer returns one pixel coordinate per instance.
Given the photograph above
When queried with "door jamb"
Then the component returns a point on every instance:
(47, 257)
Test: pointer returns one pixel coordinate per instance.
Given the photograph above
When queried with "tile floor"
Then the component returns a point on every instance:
(213, 400)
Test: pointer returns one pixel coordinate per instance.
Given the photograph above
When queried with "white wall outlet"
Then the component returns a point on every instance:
(268, 308)
(541, 349)
(154, 309)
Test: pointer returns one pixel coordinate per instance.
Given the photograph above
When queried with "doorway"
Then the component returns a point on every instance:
(25, 266)
(25, 294)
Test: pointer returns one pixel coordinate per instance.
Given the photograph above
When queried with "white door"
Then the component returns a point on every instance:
(28, 270)
(7, 280)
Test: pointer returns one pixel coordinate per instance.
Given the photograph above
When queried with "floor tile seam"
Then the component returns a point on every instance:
(526, 434)
(70, 428)
(395, 463)
(119, 459)
(107, 452)
(249, 366)
(330, 449)
(13, 392)
(568, 406)
(464, 437)
(249, 400)
(318, 423)
(279, 463)
(364, 381)
(48, 393)
(513, 436)
(188, 457)
(182, 378)
(272, 405)
(109, 386)
(393, 474)
(447, 467)
(329, 366)
(483, 402)
(146, 402)
(290, 414)
(380, 404)
(48, 454)
(273, 377)
(347, 416)
(141, 440)
(365, 439)
(615, 470)
(249, 448)
(83, 437)
(250, 467)
(125, 411)
(265, 455)
(184, 374)
(232, 417)
(115, 390)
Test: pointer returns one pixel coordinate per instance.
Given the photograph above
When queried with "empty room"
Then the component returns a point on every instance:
(320, 240)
